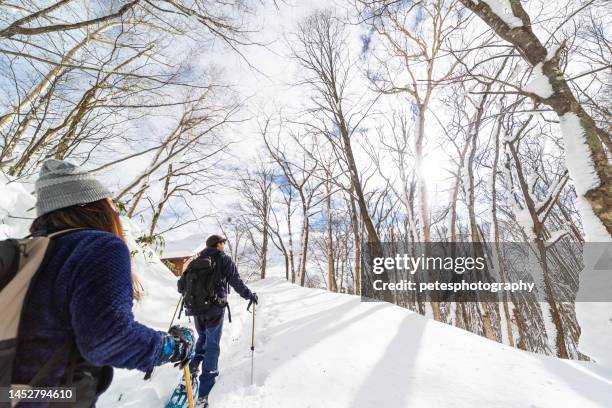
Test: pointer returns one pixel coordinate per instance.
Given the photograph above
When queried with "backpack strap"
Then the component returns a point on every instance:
(62, 232)
(227, 286)
(74, 356)
(217, 273)
(70, 347)
(229, 312)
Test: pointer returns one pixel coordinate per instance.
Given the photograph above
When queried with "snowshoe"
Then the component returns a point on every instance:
(179, 397)
(202, 403)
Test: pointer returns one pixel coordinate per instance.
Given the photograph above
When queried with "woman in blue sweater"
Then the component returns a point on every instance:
(78, 318)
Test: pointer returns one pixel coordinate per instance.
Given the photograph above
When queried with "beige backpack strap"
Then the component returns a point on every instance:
(58, 233)
(13, 294)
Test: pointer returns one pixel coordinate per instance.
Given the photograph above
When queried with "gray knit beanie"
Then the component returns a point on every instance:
(61, 184)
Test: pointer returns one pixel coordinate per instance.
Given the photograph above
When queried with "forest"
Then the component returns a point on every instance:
(397, 122)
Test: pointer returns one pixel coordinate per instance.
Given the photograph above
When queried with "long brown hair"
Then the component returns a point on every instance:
(99, 215)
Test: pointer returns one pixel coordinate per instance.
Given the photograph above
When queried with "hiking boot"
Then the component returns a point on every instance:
(202, 402)
(195, 373)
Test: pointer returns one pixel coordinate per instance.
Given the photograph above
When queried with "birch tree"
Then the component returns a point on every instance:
(591, 172)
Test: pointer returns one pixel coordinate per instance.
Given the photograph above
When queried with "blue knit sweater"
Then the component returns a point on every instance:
(84, 288)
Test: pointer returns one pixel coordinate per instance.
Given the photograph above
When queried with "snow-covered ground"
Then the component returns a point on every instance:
(184, 247)
(319, 349)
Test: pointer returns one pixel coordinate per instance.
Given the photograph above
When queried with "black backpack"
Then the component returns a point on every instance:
(198, 285)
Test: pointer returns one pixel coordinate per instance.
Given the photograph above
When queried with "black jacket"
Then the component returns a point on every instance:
(229, 277)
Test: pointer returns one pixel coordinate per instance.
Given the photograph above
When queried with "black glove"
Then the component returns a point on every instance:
(252, 299)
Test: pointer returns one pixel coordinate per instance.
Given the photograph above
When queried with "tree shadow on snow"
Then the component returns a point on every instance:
(388, 382)
(304, 333)
(587, 382)
(307, 331)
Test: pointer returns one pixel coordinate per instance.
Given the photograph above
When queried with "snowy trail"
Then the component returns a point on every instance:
(319, 349)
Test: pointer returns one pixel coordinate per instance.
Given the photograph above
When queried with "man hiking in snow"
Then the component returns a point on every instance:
(205, 286)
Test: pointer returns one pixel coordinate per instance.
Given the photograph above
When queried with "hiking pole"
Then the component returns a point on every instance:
(187, 375)
(253, 342)
(149, 372)
(175, 310)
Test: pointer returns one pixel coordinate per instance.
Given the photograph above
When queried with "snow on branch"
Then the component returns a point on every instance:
(577, 154)
(540, 85)
(556, 236)
(552, 194)
(503, 10)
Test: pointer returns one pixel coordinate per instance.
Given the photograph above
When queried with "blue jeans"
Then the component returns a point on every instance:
(207, 352)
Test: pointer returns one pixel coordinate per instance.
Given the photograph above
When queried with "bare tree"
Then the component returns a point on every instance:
(419, 47)
(255, 187)
(321, 51)
(198, 124)
(299, 175)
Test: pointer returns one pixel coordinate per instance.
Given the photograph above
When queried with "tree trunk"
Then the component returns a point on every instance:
(264, 245)
(357, 238)
(421, 185)
(290, 232)
(496, 238)
(373, 238)
(304, 247)
(538, 231)
(331, 272)
(564, 103)
(137, 197)
(162, 201)
(555, 314)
